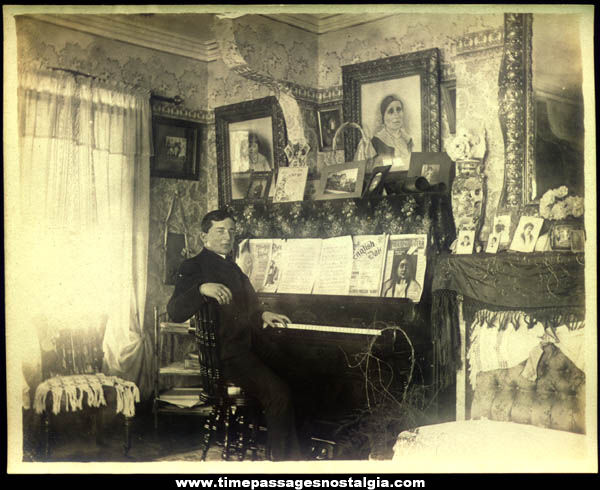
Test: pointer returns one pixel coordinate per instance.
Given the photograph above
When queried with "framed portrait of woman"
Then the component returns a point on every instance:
(250, 139)
(396, 101)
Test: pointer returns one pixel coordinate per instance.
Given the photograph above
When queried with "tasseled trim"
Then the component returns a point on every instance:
(73, 388)
(446, 336)
(478, 313)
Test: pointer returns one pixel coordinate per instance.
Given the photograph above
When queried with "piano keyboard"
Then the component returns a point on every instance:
(332, 328)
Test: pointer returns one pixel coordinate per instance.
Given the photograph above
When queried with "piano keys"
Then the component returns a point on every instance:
(331, 329)
(343, 350)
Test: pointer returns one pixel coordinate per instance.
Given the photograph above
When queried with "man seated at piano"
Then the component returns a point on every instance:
(403, 283)
(245, 356)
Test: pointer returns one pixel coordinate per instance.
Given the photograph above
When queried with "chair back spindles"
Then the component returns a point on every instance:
(206, 330)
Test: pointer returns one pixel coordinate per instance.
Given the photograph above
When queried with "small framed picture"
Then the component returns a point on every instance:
(341, 181)
(329, 119)
(492, 244)
(561, 236)
(177, 147)
(465, 242)
(291, 183)
(375, 183)
(526, 234)
(502, 228)
(577, 241)
(259, 186)
(435, 167)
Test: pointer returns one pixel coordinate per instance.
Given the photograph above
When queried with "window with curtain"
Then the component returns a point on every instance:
(84, 186)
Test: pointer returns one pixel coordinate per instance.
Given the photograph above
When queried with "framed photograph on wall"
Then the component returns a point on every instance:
(396, 101)
(329, 119)
(177, 148)
(250, 138)
(341, 181)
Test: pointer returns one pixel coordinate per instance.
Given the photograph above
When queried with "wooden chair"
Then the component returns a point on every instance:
(235, 416)
(73, 381)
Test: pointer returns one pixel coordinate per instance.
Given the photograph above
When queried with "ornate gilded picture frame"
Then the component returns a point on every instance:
(250, 138)
(412, 78)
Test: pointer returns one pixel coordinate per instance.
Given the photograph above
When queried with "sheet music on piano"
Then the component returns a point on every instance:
(360, 265)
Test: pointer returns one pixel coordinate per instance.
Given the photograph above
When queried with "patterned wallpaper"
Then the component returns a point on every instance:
(398, 34)
(286, 53)
(477, 109)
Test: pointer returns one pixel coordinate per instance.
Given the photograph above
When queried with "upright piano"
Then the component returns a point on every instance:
(353, 351)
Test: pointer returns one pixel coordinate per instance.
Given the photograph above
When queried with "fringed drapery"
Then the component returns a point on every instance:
(446, 336)
(502, 317)
(504, 291)
(510, 280)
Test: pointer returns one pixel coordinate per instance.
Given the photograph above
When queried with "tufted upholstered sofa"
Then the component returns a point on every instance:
(521, 421)
(555, 400)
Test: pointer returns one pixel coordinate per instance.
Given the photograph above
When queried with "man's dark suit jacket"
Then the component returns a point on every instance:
(238, 319)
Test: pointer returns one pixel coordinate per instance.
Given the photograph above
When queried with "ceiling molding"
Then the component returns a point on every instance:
(323, 23)
(117, 28)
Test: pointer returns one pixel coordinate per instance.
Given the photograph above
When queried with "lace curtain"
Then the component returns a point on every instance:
(84, 186)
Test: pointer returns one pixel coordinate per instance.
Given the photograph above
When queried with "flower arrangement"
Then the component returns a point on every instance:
(466, 146)
(557, 204)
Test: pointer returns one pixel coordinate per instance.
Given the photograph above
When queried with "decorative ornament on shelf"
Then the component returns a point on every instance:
(565, 212)
(297, 154)
(469, 187)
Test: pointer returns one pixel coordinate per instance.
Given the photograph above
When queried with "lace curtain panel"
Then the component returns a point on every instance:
(84, 150)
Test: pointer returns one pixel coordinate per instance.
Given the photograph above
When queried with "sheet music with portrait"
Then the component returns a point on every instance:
(301, 258)
(335, 267)
(368, 253)
(273, 273)
(405, 263)
(254, 259)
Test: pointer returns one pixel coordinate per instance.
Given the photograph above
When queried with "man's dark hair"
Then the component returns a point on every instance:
(216, 215)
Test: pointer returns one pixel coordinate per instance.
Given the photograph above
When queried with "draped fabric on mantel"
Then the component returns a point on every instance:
(84, 185)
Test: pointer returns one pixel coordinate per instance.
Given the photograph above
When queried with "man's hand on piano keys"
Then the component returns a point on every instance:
(274, 320)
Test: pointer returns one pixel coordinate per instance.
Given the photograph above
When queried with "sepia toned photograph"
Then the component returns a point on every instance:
(329, 122)
(465, 242)
(527, 233)
(288, 317)
(177, 147)
(395, 102)
(342, 181)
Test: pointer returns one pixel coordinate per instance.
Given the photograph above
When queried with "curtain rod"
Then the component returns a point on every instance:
(173, 100)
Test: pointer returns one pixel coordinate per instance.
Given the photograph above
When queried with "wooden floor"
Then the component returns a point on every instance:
(177, 438)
